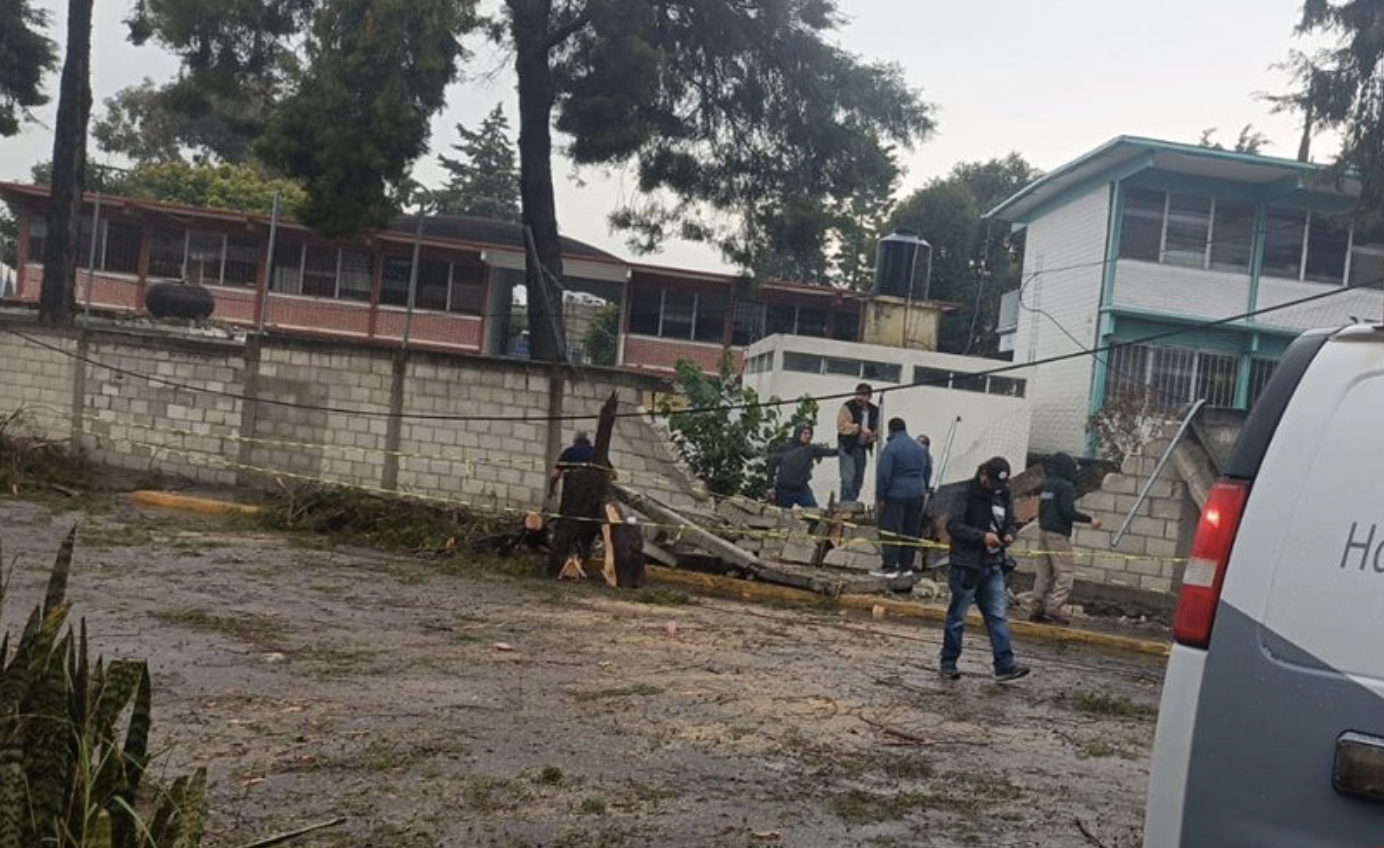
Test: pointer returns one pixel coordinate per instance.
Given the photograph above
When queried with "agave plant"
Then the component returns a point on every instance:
(74, 742)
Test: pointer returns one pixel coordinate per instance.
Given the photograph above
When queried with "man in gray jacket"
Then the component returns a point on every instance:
(791, 469)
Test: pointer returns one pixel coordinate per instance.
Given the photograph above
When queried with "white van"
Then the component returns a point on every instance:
(1271, 729)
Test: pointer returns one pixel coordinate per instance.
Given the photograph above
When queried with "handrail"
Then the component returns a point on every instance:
(1157, 472)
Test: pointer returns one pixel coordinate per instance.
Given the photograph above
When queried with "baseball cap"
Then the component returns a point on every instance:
(997, 469)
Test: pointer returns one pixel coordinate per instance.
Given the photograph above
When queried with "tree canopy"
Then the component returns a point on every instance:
(1342, 87)
(484, 179)
(26, 55)
(974, 260)
(242, 188)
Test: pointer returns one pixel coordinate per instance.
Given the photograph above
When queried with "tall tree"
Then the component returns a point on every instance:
(69, 169)
(740, 111)
(484, 180)
(1342, 87)
(975, 260)
(26, 55)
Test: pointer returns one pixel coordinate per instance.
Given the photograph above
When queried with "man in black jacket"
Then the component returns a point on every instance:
(981, 525)
(1057, 513)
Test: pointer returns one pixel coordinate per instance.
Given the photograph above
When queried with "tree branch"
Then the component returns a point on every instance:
(567, 30)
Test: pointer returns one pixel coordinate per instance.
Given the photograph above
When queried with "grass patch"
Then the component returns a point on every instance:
(30, 465)
(593, 807)
(1100, 750)
(663, 598)
(860, 807)
(261, 631)
(491, 794)
(118, 536)
(1112, 706)
(550, 776)
(639, 690)
(381, 756)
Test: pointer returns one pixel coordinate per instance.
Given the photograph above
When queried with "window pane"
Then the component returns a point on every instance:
(1233, 239)
(968, 382)
(468, 290)
(932, 377)
(356, 271)
(1189, 220)
(433, 282)
(1007, 386)
(1327, 241)
(1141, 229)
(747, 324)
(847, 327)
(1366, 265)
(1171, 376)
(242, 262)
(1127, 375)
(812, 322)
(319, 272)
(204, 254)
(883, 372)
(38, 231)
(645, 304)
(1216, 377)
(803, 363)
(84, 243)
(394, 286)
(781, 320)
(1260, 370)
(844, 367)
(711, 318)
(121, 252)
(1283, 242)
(166, 253)
(288, 269)
(677, 314)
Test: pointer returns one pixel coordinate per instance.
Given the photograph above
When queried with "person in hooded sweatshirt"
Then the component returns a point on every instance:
(901, 482)
(1057, 513)
(791, 470)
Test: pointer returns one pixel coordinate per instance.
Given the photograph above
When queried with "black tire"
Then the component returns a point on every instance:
(179, 300)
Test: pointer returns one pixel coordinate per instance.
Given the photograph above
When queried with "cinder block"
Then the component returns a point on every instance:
(1156, 584)
(1119, 484)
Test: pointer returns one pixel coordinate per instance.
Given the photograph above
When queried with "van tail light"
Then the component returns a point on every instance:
(1205, 574)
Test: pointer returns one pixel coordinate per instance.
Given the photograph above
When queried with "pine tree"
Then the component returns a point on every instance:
(485, 179)
(26, 54)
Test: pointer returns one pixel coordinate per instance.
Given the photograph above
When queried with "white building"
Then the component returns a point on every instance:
(1144, 238)
(990, 413)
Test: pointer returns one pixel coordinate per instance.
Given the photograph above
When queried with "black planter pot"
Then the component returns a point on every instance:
(179, 300)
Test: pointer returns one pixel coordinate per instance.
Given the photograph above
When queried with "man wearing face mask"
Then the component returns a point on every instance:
(981, 525)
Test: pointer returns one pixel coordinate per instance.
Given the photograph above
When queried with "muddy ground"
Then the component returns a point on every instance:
(317, 683)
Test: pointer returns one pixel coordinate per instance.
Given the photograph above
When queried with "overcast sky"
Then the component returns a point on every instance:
(1050, 79)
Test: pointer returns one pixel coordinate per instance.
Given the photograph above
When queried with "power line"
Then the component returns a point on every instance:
(720, 410)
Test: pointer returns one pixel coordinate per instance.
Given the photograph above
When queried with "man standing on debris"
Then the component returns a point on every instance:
(981, 525)
(926, 442)
(579, 454)
(1057, 513)
(900, 488)
(857, 424)
(791, 470)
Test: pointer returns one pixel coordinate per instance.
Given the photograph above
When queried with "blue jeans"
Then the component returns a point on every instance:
(989, 594)
(789, 498)
(852, 464)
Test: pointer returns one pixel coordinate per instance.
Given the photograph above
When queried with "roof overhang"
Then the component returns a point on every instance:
(1128, 155)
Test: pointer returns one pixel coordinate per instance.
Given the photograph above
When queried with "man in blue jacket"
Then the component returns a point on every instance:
(901, 482)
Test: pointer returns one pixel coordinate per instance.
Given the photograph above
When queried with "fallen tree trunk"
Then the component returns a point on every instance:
(743, 560)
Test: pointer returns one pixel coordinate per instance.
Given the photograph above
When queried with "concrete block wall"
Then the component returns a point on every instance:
(1159, 534)
(325, 414)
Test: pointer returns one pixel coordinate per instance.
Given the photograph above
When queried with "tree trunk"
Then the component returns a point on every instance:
(60, 247)
(1309, 126)
(585, 492)
(531, 22)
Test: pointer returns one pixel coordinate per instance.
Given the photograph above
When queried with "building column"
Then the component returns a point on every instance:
(376, 287)
(22, 256)
(1256, 258)
(146, 251)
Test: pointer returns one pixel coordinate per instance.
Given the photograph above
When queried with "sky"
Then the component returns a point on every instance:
(1049, 79)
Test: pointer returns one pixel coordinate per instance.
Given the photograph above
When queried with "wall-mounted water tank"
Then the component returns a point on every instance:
(902, 266)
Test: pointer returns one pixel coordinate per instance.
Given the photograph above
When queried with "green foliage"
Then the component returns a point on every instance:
(728, 449)
(351, 516)
(746, 110)
(603, 337)
(243, 188)
(1341, 88)
(1250, 140)
(9, 238)
(975, 261)
(74, 742)
(485, 179)
(378, 71)
(26, 55)
(149, 123)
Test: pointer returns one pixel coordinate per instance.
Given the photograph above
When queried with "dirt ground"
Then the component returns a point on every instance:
(317, 682)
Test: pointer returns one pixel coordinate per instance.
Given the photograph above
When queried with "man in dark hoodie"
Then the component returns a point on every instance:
(1057, 513)
(981, 525)
(791, 469)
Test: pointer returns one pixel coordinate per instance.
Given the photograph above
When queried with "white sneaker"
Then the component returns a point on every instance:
(887, 575)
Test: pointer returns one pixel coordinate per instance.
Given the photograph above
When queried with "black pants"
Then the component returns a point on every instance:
(900, 521)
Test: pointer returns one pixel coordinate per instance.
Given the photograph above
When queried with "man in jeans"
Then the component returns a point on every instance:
(981, 525)
(857, 422)
(1057, 513)
(901, 481)
(791, 470)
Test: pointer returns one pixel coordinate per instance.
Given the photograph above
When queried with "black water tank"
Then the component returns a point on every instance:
(901, 266)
